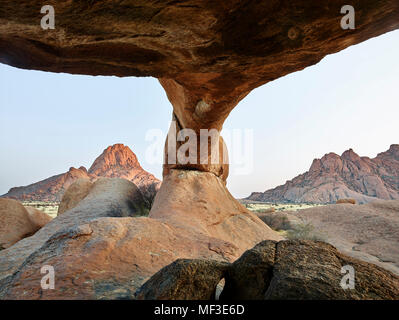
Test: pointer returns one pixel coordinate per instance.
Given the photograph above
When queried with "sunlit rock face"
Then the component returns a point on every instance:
(106, 248)
(119, 161)
(18, 222)
(335, 177)
(230, 44)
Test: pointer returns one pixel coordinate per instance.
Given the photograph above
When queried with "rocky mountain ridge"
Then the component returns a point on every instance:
(117, 161)
(335, 177)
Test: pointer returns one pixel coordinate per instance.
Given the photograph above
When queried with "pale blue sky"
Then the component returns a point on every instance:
(50, 122)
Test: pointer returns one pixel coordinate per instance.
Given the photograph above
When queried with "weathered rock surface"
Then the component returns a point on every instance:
(351, 201)
(37, 217)
(105, 191)
(74, 194)
(108, 198)
(200, 202)
(312, 270)
(369, 232)
(300, 270)
(249, 276)
(184, 280)
(279, 220)
(221, 48)
(18, 222)
(116, 161)
(334, 177)
(103, 258)
(105, 253)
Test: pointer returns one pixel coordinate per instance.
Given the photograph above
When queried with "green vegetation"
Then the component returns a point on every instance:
(305, 231)
(267, 207)
(141, 210)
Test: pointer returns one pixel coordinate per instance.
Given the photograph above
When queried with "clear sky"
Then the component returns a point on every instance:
(50, 122)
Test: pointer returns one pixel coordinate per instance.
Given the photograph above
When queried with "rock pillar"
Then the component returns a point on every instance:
(194, 141)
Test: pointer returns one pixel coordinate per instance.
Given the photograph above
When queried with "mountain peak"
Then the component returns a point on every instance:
(116, 161)
(394, 147)
(117, 156)
(331, 155)
(334, 177)
(331, 162)
(350, 155)
(117, 146)
(392, 152)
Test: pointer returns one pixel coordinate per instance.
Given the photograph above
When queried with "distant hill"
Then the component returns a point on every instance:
(336, 177)
(116, 161)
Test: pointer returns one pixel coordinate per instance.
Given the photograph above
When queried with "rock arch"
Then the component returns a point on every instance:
(208, 55)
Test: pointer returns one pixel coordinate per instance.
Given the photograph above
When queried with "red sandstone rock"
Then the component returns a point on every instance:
(200, 201)
(74, 194)
(37, 217)
(18, 222)
(215, 49)
(335, 177)
(108, 258)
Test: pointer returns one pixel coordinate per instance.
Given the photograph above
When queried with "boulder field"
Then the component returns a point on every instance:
(300, 270)
(104, 248)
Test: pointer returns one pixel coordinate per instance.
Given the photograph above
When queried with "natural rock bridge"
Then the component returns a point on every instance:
(208, 55)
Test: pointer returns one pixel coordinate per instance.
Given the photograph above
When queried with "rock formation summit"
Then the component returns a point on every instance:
(335, 177)
(116, 161)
